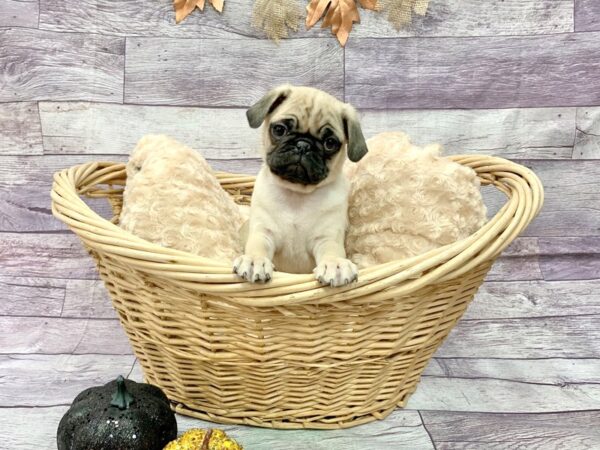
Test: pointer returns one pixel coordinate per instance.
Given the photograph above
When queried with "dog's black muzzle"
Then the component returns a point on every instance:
(299, 159)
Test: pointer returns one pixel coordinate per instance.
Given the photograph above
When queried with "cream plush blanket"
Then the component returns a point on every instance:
(405, 200)
(172, 198)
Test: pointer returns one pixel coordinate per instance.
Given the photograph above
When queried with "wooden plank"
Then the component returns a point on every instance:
(571, 258)
(83, 127)
(87, 298)
(573, 245)
(572, 193)
(19, 13)
(572, 198)
(470, 72)
(134, 18)
(402, 430)
(490, 395)
(18, 171)
(552, 371)
(541, 337)
(39, 170)
(549, 258)
(515, 269)
(587, 15)
(31, 296)
(503, 300)
(570, 267)
(26, 207)
(74, 298)
(522, 246)
(27, 428)
(25, 191)
(167, 71)
(533, 133)
(587, 138)
(28, 377)
(62, 255)
(21, 132)
(518, 262)
(470, 431)
(55, 297)
(444, 18)
(469, 18)
(56, 335)
(45, 255)
(44, 65)
(25, 184)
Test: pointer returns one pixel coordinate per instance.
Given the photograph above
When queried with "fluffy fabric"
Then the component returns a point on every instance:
(172, 198)
(406, 200)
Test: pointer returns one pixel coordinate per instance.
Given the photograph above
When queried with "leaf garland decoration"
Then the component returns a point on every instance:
(276, 17)
(338, 14)
(183, 8)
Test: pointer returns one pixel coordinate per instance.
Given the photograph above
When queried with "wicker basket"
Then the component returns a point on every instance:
(289, 354)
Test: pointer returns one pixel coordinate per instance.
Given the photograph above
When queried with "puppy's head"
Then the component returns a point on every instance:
(307, 135)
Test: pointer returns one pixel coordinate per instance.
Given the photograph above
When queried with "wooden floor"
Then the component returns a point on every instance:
(82, 80)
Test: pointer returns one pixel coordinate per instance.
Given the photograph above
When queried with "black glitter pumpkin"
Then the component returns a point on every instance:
(121, 415)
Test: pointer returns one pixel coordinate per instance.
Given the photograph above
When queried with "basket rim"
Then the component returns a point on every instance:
(523, 189)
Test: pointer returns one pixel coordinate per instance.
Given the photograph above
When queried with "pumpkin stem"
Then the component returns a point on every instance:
(121, 399)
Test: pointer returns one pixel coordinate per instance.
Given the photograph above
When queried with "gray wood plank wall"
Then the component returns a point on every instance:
(83, 80)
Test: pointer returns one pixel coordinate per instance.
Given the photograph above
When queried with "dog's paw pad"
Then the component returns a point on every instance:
(336, 272)
(253, 269)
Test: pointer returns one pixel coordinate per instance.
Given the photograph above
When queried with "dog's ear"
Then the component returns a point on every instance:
(256, 113)
(357, 147)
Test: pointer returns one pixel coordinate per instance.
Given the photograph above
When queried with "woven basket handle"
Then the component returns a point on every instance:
(521, 186)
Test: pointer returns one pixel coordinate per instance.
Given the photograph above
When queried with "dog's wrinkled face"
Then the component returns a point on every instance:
(300, 153)
(307, 134)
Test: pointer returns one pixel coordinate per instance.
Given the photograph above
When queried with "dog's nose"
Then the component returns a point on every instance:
(303, 146)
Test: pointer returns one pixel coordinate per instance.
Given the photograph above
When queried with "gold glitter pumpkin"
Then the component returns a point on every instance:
(196, 439)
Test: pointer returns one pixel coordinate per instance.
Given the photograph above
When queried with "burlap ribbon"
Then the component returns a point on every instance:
(276, 17)
(400, 12)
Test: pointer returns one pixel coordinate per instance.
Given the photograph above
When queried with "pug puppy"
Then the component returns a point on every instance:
(298, 215)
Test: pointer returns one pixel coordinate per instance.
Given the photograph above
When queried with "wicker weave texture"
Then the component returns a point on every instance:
(289, 354)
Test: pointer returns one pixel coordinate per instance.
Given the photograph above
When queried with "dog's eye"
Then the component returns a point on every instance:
(279, 130)
(331, 144)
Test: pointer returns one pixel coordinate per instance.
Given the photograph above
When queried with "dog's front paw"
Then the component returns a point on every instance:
(336, 272)
(253, 269)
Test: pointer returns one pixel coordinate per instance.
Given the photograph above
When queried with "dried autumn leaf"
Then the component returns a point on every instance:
(339, 15)
(183, 8)
(369, 4)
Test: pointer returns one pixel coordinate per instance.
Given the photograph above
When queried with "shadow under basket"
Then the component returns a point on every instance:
(291, 353)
